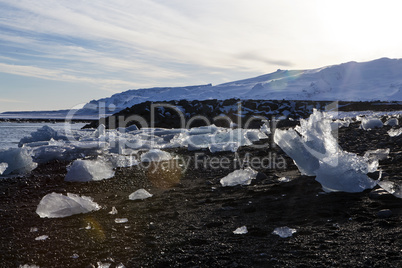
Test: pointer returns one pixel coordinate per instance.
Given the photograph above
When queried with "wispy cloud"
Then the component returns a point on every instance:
(11, 101)
(134, 41)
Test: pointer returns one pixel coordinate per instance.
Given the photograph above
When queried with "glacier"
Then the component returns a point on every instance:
(380, 79)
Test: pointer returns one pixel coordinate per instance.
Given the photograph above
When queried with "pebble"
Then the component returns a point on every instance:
(384, 213)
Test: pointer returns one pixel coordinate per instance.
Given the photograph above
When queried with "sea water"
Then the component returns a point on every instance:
(12, 132)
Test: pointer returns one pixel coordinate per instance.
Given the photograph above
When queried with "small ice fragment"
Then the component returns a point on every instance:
(239, 177)
(120, 220)
(113, 211)
(56, 205)
(391, 187)
(103, 264)
(120, 265)
(75, 256)
(88, 226)
(33, 229)
(155, 155)
(140, 194)
(241, 230)
(3, 167)
(284, 179)
(42, 237)
(29, 266)
(395, 132)
(284, 232)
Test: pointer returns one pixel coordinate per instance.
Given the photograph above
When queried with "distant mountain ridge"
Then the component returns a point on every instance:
(379, 79)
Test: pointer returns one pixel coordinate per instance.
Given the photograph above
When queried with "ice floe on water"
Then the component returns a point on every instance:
(239, 177)
(118, 147)
(55, 205)
(316, 152)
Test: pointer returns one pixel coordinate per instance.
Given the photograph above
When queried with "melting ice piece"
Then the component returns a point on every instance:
(140, 194)
(370, 123)
(394, 132)
(223, 147)
(120, 220)
(113, 211)
(28, 266)
(44, 133)
(239, 177)
(119, 160)
(316, 152)
(18, 160)
(56, 205)
(379, 154)
(392, 122)
(284, 179)
(89, 170)
(42, 237)
(155, 155)
(292, 144)
(265, 128)
(3, 167)
(284, 232)
(391, 187)
(241, 230)
(100, 131)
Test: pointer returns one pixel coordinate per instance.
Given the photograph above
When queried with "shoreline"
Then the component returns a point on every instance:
(190, 222)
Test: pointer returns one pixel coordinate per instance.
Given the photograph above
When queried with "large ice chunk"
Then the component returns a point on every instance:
(89, 170)
(155, 155)
(44, 133)
(371, 123)
(18, 160)
(392, 122)
(317, 153)
(56, 205)
(239, 177)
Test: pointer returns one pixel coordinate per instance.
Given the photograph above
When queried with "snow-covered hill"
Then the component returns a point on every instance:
(375, 80)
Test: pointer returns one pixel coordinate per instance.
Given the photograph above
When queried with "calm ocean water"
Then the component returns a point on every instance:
(11, 132)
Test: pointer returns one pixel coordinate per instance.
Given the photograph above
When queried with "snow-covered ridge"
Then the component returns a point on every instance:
(379, 79)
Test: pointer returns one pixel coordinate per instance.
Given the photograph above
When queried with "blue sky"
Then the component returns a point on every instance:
(59, 54)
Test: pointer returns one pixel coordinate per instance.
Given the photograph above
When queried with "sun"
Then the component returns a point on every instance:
(361, 26)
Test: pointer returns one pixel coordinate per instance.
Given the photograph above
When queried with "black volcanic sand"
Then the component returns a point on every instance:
(190, 222)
